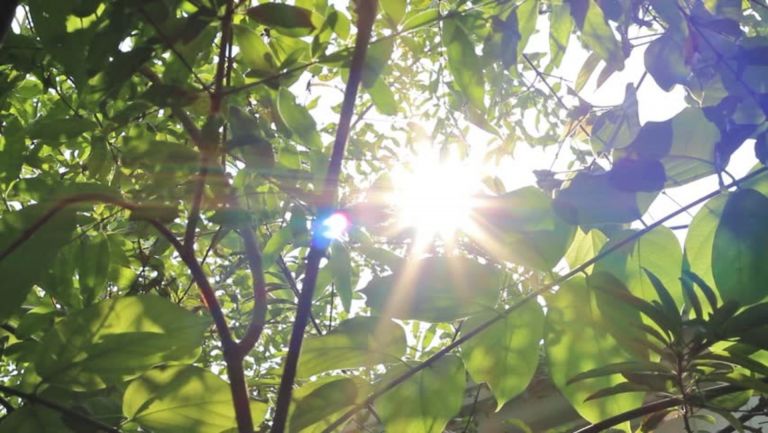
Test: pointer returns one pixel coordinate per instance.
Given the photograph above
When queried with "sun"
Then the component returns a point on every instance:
(435, 194)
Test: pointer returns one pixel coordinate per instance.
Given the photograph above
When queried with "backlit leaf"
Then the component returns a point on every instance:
(425, 402)
(739, 249)
(183, 399)
(464, 63)
(435, 289)
(356, 342)
(286, 19)
(505, 355)
(116, 339)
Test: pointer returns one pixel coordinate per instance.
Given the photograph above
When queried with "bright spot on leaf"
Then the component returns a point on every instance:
(335, 225)
(434, 194)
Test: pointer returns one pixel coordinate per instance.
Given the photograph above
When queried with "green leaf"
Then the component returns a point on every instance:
(297, 119)
(286, 19)
(93, 266)
(421, 18)
(30, 261)
(699, 242)
(464, 63)
(665, 60)
(577, 341)
(376, 60)
(619, 388)
(739, 253)
(596, 34)
(620, 368)
(521, 227)
(425, 402)
(435, 289)
(584, 247)
(560, 27)
(657, 251)
(318, 404)
(589, 199)
(586, 70)
(33, 418)
(183, 399)
(116, 339)
(505, 355)
(53, 130)
(383, 98)
(356, 342)
(395, 9)
(254, 51)
(340, 265)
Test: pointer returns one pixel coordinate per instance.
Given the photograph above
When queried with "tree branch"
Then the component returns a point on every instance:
(366, 14)
(98, 425)
(529, 297)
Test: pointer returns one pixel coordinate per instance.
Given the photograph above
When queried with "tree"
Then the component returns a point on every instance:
(200, 230)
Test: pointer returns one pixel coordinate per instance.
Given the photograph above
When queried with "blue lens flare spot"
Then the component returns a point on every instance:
(335, 226)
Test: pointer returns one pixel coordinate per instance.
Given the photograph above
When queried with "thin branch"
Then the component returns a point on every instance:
(33, 398)
(295, 289)
(527, 298)
(366, 16)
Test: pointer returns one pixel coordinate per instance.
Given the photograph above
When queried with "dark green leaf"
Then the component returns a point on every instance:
(619, 388)
(53, 130)
(30, 261)
(665, 60)
(620, 368)
(435, 289)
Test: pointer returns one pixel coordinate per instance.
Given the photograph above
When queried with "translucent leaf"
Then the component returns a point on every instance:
(464, 64)
(521, 227)
(657, 251)
(665, 60)
(589, 199)
(584, 247)
(435, 289)
(596, 34)
(560, 27)
(395, 9)
(577, 341)
(116, 339)
(356, 342)
(505, 355)
(739, 250)
(286, 19)
(425, 402)
(297, 119)
(254, 51)
(318, 404)
(340, 265)
(183, 399)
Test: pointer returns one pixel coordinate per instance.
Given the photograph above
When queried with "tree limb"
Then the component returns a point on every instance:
(366, 11)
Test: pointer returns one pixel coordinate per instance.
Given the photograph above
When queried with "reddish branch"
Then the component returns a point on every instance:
(366, 14)
(531, 296)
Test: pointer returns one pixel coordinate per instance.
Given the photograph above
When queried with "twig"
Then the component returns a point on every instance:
(757, 410)
(366, 15)
(98, 425)
(295, 289)
(527, 298)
